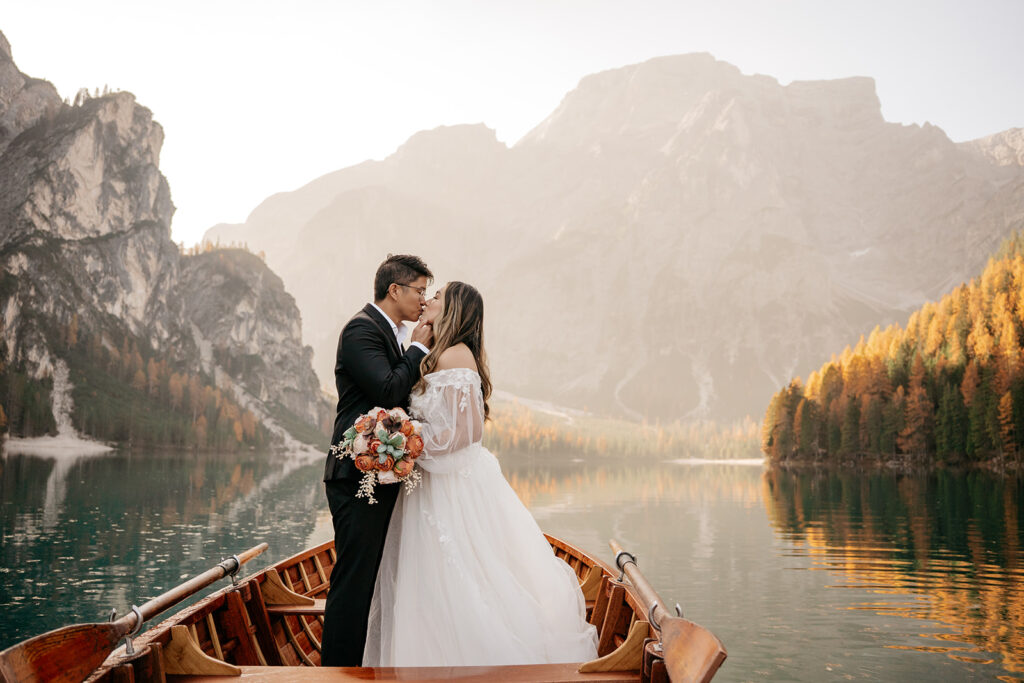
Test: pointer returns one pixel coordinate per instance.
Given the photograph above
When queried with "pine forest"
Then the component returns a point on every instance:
(947, 388)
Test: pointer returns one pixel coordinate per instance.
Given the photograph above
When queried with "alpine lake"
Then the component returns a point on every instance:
(803, 575)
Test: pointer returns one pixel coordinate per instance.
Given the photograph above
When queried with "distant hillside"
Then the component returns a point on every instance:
(676, 239)
(947, 387)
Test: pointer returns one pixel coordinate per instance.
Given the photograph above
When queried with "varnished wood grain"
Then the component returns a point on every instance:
(692, 653)
(183, 657)
(553, 673)
(275, 592)
(65, 654)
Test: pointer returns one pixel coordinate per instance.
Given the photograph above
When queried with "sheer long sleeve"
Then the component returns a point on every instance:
(451, 409)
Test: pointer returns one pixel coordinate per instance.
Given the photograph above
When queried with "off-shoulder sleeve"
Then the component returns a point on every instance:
(453, 419)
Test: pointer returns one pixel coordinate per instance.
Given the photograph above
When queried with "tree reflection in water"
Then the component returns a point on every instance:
(942, 547)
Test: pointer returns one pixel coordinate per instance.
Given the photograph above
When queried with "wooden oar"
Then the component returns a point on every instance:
(691, 652)
(71, 653)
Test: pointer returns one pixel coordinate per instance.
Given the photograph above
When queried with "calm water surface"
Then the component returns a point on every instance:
(804, 577)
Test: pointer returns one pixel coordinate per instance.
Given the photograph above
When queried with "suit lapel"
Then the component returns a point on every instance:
(384, 326)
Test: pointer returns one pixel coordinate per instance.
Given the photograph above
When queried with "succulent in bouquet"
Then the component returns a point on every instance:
(383, 444)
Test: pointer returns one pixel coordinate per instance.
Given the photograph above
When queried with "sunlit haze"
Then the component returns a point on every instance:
(257, 98)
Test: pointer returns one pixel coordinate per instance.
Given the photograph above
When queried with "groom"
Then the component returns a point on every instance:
(372, 369)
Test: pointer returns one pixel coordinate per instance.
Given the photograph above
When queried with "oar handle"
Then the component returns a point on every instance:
(251, 553)
(172, 597)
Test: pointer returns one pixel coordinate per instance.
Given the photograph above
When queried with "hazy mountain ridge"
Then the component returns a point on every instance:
(86, 252)
(675, 238)
(1004, 149)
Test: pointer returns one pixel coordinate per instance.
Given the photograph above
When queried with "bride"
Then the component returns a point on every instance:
(467, 577)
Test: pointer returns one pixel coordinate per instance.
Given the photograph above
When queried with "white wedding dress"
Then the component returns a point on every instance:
(467, 577)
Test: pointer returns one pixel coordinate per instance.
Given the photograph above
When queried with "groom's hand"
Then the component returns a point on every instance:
(424, 334)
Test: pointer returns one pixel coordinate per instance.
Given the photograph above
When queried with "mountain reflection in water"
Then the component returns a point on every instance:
(804, 576)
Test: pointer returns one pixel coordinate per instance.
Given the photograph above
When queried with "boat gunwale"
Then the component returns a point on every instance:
(161, 632)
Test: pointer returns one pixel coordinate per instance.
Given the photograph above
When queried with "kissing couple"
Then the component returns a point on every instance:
(456, 572)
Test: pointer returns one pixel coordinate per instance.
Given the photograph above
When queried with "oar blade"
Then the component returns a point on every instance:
(692, 653)
(66, 655)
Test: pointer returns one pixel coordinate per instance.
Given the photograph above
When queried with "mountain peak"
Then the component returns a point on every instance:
(643, 105)
(5, 48)
(448, 140)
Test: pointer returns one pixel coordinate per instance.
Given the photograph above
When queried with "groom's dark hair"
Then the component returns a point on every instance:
(401, 269)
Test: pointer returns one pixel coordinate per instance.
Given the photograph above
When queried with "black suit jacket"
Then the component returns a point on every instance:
(371, 370)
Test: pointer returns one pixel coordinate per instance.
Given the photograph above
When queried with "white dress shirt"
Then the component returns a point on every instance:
(399, 332)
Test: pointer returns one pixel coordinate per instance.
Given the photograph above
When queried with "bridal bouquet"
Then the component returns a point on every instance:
(383, 444)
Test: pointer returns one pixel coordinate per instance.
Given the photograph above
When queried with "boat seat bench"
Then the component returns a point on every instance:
(314, 610)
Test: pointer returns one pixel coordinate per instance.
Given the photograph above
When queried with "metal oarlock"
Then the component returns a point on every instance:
(657, 627)
(622, 565)
(234, 572)
(650, 616)
(129, 648)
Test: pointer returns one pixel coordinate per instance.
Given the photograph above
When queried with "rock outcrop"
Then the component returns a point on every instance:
(1003, 149)
(85, 244)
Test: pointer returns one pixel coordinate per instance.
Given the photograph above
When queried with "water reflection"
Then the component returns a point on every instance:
(940, 547)
(804, 576)
(81, 535)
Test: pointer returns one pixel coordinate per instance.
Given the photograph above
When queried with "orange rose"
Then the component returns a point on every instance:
(388, 464)
(403, 467)
(364, 424)
(407, 428)
(414, 444)
(364, 463)
(380, 415)
(372, 447)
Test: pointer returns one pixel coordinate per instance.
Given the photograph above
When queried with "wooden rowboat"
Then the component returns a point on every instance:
(268, 628)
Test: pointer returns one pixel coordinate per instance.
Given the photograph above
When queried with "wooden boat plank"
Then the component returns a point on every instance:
(267, 648)
(554, 673)
(316, 609)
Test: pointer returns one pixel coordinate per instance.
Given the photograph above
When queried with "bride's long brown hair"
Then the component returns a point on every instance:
(461, 322)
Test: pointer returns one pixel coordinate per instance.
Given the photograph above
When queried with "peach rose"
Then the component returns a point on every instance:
(388, 464)
(371, 447)
(403, 467)
(379, 414)
(414, 444)
(364, 424)
(364, 463)
(398, 415)
(407, 428)
(360, 445)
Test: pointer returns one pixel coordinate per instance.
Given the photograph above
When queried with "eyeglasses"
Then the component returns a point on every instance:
(421, 291)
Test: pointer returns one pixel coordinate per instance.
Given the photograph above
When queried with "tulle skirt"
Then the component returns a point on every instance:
(467, 578)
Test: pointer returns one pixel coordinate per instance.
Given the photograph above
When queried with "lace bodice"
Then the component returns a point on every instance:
(451, 409)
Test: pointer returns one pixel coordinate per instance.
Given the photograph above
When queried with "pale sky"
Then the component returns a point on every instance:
(260, 97)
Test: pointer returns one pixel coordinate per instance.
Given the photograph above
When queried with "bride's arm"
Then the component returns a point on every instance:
(457, 417)
(454, 424)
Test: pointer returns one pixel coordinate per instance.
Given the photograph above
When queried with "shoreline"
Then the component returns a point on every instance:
(873, 464)
(739, 462)
(74, 446)
(54, 446)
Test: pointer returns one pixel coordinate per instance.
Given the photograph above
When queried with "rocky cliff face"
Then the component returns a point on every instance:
(85, 236)
(676, 239)
(248, 327)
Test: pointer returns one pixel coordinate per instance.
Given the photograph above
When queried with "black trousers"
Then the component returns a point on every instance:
(359, 532)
